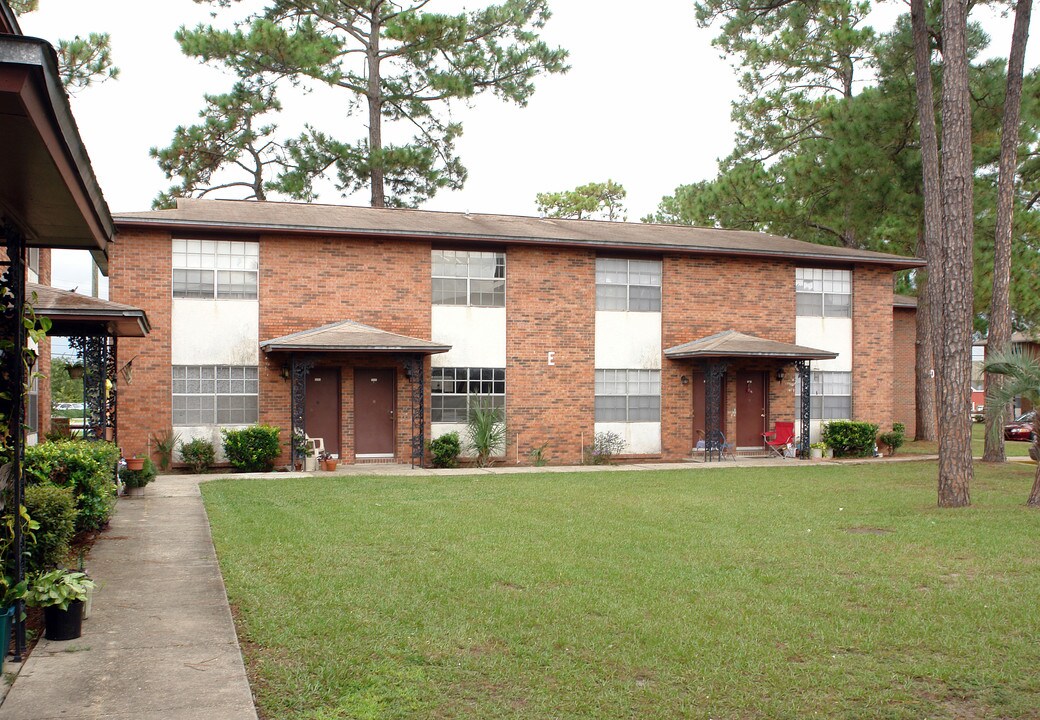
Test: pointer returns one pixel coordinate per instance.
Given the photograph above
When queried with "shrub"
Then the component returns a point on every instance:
(165, 443)
(445, 450)
(537, 455)
(252, 449)
(485, 431)
(895, 439)
(54, 508)
(138, 478)
(87, 467)
(850, 438)
(198, 454)
(605, 445)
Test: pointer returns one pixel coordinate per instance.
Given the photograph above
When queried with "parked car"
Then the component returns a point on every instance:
(1021, 428)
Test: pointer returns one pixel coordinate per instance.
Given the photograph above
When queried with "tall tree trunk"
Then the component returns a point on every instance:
(1034, 494)
(924, 392)
(930, 248)
(953, 392)
(1000, 306)
(375, 110)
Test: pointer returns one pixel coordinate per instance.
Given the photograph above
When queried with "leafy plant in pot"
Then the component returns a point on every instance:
(135, 480)
(327, 461)
(61, 594)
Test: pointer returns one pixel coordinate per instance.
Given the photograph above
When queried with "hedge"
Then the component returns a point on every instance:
(850, 438)
(54, 508)
(87, 467)
(252, 449)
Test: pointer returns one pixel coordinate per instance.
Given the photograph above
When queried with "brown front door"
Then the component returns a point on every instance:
(321, 409)
(700, 414)
(374, 411)
(751, 408)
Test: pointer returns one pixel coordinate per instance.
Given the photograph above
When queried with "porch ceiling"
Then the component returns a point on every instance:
(74, 315)
(733, 344)
(350, 336)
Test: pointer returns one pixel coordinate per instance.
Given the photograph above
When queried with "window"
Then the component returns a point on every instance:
(628, 396)
(823, 293)
(215, 395)
(633, 285)
(830, 395)
(32, 410)
(34, 260)
(461, 277)
(455, 390)
(223, 269)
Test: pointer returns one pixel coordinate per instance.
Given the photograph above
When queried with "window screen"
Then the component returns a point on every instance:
(628, 285)
(223, 269)
(823, 293)
(462, 277)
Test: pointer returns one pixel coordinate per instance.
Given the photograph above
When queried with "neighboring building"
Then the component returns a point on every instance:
(1023, 341)
(351, 320)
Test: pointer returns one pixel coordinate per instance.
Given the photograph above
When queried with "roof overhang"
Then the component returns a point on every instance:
(351, 337)
(732, 344)
(47, 185)
(8, 20)
(74, 315)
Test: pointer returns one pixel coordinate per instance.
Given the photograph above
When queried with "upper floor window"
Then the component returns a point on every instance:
(461, 277)
(633, 285)
(34, 260)
(823, 293)
(223, 269)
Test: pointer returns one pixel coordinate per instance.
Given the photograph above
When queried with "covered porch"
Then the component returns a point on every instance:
(360, 389)
(740, 387)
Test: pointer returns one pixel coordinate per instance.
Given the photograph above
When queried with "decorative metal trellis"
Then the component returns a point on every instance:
(299, 367)
(714, 438)
(100, 384)
(804, 410)
(415, 371)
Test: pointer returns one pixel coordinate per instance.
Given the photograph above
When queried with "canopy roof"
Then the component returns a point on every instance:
(47, 186)
(350, 336)
(74, 315)
(733, 344)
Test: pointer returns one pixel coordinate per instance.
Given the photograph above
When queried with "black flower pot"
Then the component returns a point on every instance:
(63, 624)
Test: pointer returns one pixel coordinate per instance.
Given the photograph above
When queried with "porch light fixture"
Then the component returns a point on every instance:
(780, 374)
(684, 380)
(285, 372)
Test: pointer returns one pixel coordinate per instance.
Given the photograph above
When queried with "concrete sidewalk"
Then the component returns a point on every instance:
(160, 642)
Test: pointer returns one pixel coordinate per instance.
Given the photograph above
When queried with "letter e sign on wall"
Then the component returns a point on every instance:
(551, 357)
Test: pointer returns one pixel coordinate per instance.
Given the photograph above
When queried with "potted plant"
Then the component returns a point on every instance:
(816, 450)
(327, 461)
(134, 463)
(303, 449)
(61, 594)
(9, 594)
(135, 480)
(75, 370)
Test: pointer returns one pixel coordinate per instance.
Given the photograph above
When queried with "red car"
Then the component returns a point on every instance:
(1021, 428)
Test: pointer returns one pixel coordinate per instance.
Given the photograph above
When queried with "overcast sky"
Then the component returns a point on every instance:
(646, 103)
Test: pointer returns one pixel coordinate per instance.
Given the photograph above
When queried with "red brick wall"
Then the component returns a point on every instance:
(140, 275)
(904, 360)
(550, 307)
(872, 347)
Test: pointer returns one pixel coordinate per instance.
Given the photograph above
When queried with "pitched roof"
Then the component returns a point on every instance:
(731, 343)
(350, 336)
(312, 218)
(904, 301)
(72, 313)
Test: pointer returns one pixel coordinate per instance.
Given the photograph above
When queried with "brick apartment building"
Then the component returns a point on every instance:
(369, 327)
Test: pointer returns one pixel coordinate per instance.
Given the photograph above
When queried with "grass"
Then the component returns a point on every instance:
(978, 441)
(838, 592)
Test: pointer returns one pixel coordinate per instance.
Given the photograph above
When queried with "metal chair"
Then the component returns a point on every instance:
(780, 437)
(720, 445)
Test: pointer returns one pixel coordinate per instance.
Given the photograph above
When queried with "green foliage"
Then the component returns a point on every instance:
(58, 587)
(895, 439)
(87, 467)
(54, 508)
(81, 61)
(252, 449)
(603, 201)
(198, 454)
(63, 387)
(138, 478)
(445, 450)
(850, 438)
(1021, 372)
(485, 431)
(537, 455)
(605, 445)
(165, 443)
(423, 62)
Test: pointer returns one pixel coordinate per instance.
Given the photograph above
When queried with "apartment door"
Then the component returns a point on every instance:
(322, 407)
(374, 412)
(700, 415)
(751, 408)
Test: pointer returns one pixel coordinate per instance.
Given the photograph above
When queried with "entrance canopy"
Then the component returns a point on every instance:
(75, 315)
(352, 337)
(733, 344)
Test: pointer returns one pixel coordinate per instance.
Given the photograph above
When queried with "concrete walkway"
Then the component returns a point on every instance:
(160, 642)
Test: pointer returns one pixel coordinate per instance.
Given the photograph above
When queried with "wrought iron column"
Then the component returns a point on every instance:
(713, 435)
(415, 371)
(95, 373)
(112, 405)
(804, 408)
(299, 366)
(12, 389)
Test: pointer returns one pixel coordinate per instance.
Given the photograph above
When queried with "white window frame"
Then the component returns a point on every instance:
(478, 383)
(823, 292)
(207, 385)
(822, 389)
(468, 269)
(215, 264)
(624, 285)
(637, 392)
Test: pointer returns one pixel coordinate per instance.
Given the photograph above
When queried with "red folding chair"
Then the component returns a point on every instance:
(779, 438)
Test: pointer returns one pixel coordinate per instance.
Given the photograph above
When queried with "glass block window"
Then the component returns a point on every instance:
(823, 293)
(455, 390)
(222, 269)
(215, 395)
(461, 277)
(628, 396)
(830, 395)
(628, 285)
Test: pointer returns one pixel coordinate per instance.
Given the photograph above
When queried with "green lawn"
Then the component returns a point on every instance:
(836, 592)
(978, 437)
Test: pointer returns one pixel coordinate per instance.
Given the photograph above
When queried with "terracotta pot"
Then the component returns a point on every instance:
(299, 467)
(75, 372)
(135, 463)
(330, 465)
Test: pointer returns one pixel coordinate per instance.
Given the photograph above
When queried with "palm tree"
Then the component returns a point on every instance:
(1021, 371)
